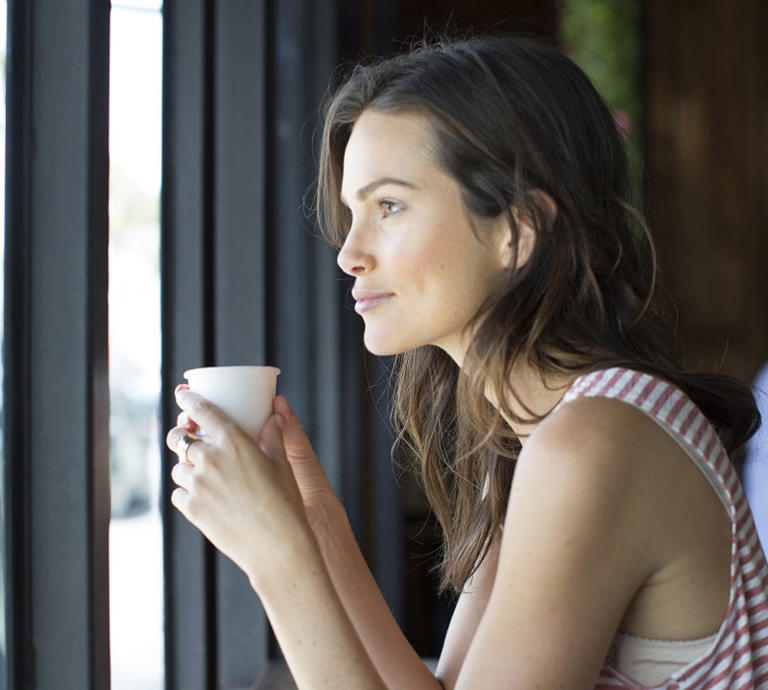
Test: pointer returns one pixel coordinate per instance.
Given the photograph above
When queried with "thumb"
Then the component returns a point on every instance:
(295, 441)
(271, 437)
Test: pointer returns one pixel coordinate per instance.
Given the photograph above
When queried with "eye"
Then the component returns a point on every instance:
(388, 207)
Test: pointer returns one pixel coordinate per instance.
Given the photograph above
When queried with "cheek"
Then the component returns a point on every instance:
(440, 261)
(413, 259)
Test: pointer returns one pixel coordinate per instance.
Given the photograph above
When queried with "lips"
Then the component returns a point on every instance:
(368, 299)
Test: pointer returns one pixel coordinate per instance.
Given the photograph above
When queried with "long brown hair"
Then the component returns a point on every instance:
(519, 126)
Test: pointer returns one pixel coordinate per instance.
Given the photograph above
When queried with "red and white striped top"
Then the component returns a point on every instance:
(738, 657)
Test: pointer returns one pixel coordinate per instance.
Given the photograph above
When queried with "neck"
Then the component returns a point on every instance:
(534, 390)
(539, 391)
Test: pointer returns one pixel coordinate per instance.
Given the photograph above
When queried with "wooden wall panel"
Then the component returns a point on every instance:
(527, 16)
(707, 152)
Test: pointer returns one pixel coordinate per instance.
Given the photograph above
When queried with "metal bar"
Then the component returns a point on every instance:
(56, 415)
(240, 286)
(186, 325)
(304, 288)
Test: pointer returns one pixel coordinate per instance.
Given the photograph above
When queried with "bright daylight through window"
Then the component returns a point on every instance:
(136, 571)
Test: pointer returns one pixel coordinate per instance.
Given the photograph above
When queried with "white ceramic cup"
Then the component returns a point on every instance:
(244, 393)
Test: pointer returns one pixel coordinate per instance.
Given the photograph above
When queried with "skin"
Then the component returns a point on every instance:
(415, 242)
(609, 524)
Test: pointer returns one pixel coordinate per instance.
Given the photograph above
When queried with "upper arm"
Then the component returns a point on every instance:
(576, 547)
(467, 615)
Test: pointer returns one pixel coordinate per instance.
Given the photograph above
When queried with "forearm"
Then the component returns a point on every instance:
(319, 642)
(389, 650)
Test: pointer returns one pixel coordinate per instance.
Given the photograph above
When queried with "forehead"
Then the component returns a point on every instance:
(386, 145)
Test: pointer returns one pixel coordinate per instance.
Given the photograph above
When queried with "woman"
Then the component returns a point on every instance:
(477, 191)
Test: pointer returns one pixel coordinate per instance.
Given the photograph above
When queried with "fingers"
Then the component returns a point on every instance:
(183, 418)
(177, 440)
(295, 441)
(182, 474)
(206, 415)
(271, 437)
(184, 421)
(173, 439)
(180, 499)
(184, 477)
(281, 406)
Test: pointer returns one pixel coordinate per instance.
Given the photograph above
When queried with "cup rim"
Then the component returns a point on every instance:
(230, 369)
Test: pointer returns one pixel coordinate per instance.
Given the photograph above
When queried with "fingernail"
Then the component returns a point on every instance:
(280, 421)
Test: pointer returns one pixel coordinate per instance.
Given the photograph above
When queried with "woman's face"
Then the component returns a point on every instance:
(411, 240)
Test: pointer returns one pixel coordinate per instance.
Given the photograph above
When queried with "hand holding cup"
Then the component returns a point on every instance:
(236, 485)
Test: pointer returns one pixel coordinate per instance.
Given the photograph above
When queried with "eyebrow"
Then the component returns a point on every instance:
(363, 192)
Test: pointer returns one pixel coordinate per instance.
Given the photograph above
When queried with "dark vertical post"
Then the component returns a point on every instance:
(306, 296)
(240, 289)
(186, 277)
(271, 64)
(56, 387)
(292, 269)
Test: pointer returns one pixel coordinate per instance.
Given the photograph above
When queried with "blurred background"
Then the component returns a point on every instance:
(213, 111)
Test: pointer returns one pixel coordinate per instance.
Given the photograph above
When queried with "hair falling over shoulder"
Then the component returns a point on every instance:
(521, 127)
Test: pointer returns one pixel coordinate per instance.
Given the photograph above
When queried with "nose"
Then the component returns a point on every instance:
(353, 258)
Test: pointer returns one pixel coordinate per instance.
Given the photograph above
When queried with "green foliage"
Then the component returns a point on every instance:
(604, 38)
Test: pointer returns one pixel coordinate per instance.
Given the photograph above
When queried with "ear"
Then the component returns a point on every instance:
(526, 229)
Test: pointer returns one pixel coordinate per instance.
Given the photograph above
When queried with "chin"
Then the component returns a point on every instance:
(383, 347)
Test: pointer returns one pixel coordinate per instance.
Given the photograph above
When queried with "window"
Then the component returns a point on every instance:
(135, 534)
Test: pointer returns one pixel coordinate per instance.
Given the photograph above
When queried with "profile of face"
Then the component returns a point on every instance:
(411, 239)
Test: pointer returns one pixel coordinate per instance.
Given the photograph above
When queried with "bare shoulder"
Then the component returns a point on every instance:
(619, 475)
(609, 438)
(586, 489)
(619, 457)
(602, 442)
(599, 421)
(623, 477)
